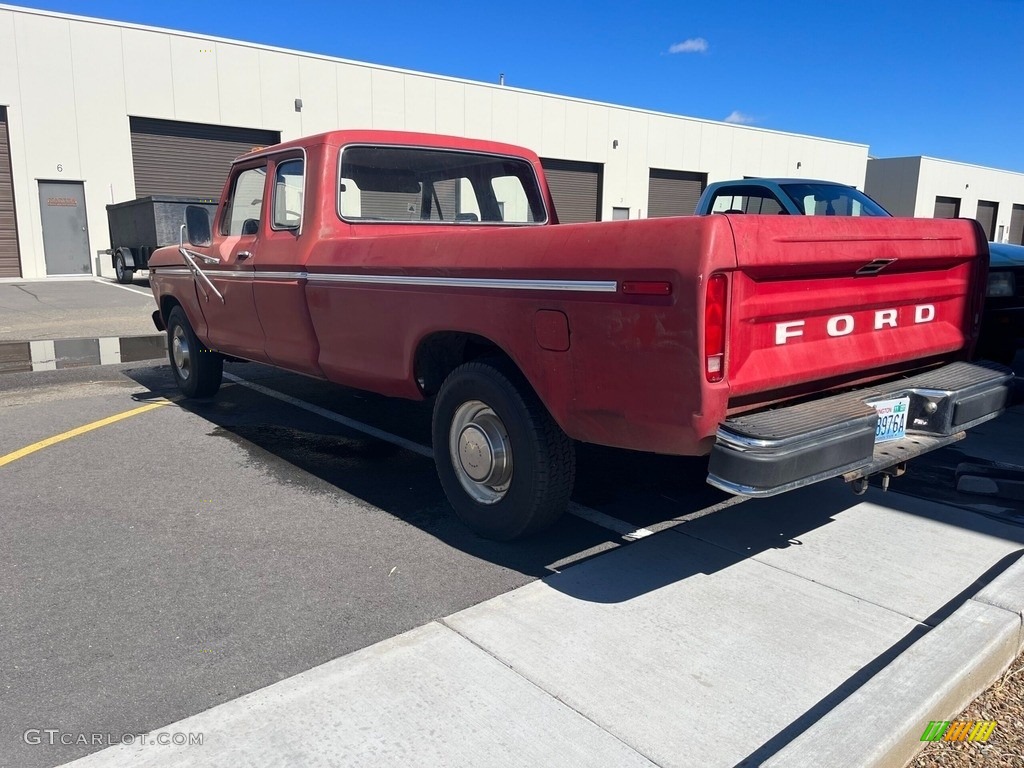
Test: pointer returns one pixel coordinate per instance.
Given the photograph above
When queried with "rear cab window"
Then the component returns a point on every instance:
(426, 185)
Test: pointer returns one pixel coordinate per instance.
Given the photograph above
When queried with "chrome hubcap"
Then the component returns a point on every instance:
(180, 352)
(481, 452)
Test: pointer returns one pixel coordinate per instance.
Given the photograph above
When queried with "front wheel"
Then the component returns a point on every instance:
(198, 371)
(505, 465)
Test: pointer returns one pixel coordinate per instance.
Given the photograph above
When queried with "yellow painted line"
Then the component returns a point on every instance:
(30, 449)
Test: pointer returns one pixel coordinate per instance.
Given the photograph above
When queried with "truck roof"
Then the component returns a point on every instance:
(406, 138)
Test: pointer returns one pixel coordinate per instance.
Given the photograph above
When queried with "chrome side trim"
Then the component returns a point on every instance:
(281, 275)
(171, 270)
(583, 286)
(586, 286)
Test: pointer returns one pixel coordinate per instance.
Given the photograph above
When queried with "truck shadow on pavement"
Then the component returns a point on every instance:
(643, 490)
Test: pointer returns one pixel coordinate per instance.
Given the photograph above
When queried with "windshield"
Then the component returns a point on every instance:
(831, 200)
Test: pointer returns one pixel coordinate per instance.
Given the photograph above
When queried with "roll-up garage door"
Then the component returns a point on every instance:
(947, 207)
(987, 212)
(674, 193)
(10, 263)
(174, 158)
(576, 189)
(1017, 225)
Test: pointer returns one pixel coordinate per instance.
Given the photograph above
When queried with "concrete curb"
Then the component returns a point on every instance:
(881, 723)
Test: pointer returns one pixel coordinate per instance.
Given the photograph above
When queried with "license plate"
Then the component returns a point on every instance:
(892, 419)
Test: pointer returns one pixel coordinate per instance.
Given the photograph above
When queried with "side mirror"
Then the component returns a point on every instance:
(197, 222)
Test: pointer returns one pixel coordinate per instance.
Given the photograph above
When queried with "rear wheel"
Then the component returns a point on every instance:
(505, 465)
(198, 371)
(123, 272)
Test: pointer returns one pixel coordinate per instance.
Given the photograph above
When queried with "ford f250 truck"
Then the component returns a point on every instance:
(791, 349)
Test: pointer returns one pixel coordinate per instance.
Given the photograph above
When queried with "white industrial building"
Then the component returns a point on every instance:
(927, 187)
(94, 112)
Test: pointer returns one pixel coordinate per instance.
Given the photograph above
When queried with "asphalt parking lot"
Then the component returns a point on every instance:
(188, 554)
(198, 551)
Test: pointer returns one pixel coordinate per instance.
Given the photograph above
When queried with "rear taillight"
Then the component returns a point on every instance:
(714, 328)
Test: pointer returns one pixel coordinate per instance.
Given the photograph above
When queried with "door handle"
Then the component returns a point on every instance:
(243, 255)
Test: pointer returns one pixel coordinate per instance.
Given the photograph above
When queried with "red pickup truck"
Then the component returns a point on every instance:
(791, 349)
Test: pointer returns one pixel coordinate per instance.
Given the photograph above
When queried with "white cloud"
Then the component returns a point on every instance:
(739, 118)
(693, 45)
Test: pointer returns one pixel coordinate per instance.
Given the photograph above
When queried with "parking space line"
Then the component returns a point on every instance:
(621, 527)
(358, 426)
(30, 449)
(137, 291)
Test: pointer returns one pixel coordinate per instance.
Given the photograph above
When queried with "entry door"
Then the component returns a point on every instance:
(65, 230)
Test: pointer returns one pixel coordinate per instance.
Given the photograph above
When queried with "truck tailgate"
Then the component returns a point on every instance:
(835, 299)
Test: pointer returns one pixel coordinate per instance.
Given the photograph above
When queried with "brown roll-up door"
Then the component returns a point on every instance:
(192, 159)
(987, 213)
(10, 260)
(1017, 225)
(947, 207)
(674, 193)
(575, 188)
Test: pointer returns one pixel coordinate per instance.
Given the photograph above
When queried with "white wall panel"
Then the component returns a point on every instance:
(98, 62)
(451, 107)
(194, 80)
(238, 86)
(420, 104)
(531, 110)
(318, 89)
(355, 96)
(388, 99)
(479, 119)
(9, 72)
(598, 142)
(552, 128)
(48, 96)
(148, 78)
(657, 143)
(575, 143)
(279, 87)
(505, 116)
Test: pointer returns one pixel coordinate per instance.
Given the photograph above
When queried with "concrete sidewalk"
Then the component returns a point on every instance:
(739, 638)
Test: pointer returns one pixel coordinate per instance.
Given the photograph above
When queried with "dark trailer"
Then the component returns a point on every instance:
(139, 227)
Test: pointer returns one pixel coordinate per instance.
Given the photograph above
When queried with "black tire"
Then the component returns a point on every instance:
(198, 371)
(543, 461)
(122, 271)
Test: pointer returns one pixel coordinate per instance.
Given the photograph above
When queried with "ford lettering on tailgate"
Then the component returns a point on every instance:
(844, 325)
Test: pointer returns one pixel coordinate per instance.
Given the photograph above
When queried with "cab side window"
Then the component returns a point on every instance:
(288, 187)
(242, 216)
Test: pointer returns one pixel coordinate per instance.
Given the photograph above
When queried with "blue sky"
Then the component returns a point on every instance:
(937, 78)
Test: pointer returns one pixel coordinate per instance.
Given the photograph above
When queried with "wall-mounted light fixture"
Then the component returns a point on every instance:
(298, 105)
(615, 143)
(798, 164)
